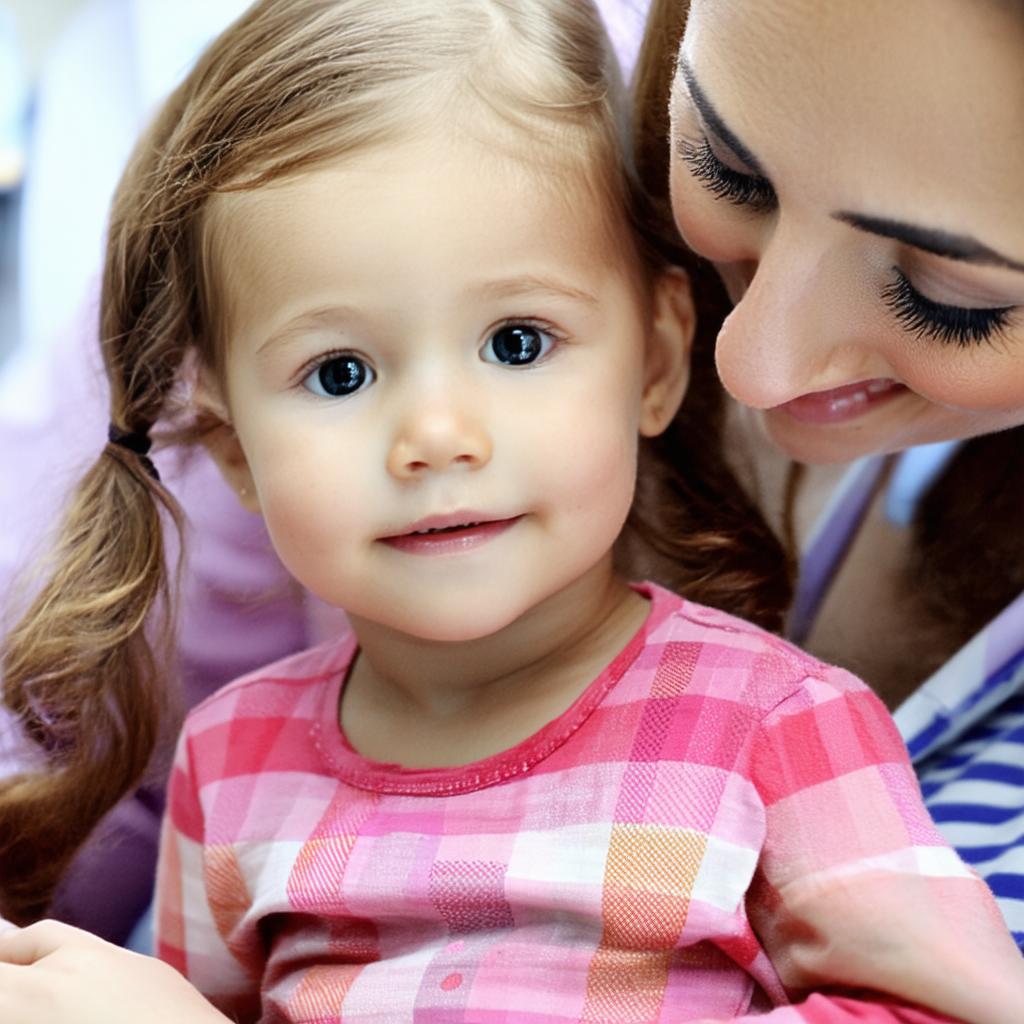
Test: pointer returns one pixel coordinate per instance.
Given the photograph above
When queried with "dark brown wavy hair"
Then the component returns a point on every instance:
(689, 503)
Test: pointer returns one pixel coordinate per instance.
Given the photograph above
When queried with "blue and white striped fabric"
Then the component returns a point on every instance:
(964, 726)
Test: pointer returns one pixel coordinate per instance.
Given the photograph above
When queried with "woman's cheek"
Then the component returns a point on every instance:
(988, 379)
(705, 226)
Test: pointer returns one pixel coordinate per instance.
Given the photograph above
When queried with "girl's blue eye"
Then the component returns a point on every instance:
(723, 182)
(517, 345)
(339, 376)
(956, 325)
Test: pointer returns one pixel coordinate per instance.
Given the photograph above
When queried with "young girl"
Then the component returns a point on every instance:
(387, 253)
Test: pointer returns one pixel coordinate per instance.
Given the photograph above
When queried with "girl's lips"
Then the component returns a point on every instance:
(451, 539)
(842, 404)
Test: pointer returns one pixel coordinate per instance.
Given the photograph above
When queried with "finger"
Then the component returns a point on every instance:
(31, 944)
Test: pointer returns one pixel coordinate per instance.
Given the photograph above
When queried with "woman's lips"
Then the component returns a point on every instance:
(446, 540)
(842, 404)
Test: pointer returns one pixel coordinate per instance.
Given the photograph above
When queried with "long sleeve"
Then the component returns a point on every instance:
(193, 930)
(856, 892)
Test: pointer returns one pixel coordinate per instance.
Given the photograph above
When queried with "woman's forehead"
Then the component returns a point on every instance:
(886, 104)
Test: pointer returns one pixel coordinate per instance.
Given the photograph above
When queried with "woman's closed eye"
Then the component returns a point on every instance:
(915, 312)
(924, 317)
(724, 182)
(518, 343)
(338, 375)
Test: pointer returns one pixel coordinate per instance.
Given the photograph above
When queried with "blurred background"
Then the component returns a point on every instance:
(26, 29)
(78, 78)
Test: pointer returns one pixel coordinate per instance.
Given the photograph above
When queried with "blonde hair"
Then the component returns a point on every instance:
(291, 84)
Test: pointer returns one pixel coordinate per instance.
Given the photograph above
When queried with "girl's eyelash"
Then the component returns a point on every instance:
(325, 357)
(723, 182)
(956, 325)
(317, 362)
(542, 327)
(525, 321)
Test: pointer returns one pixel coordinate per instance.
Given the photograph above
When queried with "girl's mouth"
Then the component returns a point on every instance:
(449, 538)
(841, 404)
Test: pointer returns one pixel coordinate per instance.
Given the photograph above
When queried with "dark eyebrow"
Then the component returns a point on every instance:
(714, 121)
(941, 243)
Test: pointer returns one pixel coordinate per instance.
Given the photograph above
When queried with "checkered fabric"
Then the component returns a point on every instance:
(717, 826)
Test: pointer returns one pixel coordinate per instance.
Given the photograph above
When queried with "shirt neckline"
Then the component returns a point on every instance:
(348, 765)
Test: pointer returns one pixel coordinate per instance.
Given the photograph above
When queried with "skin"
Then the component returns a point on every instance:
(53, 972)
(904, 112)
(487, 643)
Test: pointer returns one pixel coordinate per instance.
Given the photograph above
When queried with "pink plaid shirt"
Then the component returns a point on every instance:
(717, 826)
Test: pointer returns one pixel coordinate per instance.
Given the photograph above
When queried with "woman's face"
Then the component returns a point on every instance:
(856, 173)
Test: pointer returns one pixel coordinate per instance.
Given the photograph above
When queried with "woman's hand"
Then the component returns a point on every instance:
(55, 973)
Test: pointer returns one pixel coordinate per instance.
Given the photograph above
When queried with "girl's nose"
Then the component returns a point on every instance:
(798, 325)
(439, 438)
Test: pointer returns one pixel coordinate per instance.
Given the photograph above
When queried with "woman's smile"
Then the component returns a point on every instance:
(839, 405)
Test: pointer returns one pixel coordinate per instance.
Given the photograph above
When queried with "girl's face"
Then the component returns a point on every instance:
(436, 372)
(856, 173)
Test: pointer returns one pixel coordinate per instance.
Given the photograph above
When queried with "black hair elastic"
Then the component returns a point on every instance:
(137, 442)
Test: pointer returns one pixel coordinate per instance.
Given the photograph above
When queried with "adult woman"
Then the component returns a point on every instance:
(852, 171)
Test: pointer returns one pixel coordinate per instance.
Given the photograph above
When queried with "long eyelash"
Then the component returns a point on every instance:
(924, 317)
(723, 182)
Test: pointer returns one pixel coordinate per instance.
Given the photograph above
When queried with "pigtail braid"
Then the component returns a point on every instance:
(80, 674)
(86, 669)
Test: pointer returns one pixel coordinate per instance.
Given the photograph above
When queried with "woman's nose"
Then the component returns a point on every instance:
(438, 437)
(795, 326)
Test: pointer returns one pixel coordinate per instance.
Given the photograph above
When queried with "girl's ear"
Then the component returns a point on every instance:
(221, 441)
(667, 356)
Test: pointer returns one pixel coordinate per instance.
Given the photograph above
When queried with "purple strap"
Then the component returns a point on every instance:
(831, 541)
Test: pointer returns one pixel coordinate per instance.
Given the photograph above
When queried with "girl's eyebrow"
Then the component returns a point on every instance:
(940, 243)
(310, 320)
(713, 120)
(525, 284)
(501, 288)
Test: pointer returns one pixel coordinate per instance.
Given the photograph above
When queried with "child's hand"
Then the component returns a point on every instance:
(55, 973)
